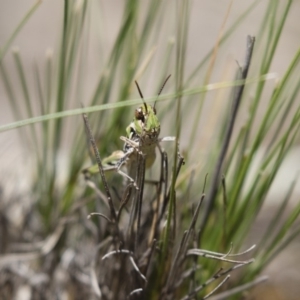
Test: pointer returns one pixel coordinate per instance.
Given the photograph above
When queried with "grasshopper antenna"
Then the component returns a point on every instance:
(137, 85)
(161, 89)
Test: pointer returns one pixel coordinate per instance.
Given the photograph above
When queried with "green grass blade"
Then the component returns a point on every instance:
(20, 26)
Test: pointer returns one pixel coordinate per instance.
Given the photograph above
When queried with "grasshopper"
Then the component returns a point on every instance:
(142, 136)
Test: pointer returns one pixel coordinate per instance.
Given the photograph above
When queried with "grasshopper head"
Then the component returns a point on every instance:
(146, 122)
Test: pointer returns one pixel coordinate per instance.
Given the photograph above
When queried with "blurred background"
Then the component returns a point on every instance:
(40, 38)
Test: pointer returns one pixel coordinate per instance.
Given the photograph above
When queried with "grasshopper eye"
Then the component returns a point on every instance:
(139, 114)
(154, 110)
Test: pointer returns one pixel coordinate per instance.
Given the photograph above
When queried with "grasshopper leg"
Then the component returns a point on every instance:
(123, 161)
(170, 139)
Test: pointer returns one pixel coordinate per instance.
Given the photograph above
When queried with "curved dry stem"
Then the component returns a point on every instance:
(99, 215)
(204, 253)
